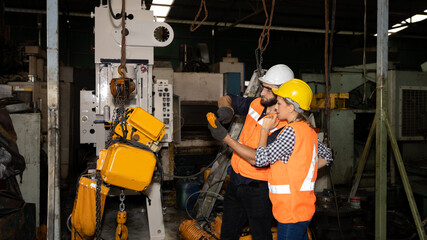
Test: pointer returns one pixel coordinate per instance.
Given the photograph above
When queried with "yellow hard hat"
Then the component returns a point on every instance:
(296, 90)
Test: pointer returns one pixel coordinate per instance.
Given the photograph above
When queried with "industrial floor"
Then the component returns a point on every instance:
(137, 222)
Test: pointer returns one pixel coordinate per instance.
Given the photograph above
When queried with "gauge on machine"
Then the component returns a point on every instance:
(161, 34)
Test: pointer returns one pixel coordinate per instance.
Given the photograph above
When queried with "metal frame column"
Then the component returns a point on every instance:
(381, 133)
(53, 204)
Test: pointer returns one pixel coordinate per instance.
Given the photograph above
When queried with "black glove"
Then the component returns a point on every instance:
(219, 133)
(225, 115)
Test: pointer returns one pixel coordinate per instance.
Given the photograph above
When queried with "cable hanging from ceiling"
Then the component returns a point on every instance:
(202, 5)
(264, 37)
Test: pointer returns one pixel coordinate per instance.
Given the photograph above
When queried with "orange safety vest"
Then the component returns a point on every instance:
(291, 185)
(250, 137)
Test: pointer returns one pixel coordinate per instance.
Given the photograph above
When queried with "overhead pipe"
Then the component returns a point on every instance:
(236, 24)
(242, 19)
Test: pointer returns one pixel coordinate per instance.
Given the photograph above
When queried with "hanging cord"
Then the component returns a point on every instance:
(115, 16)
(266, 30)
(364, 54)
(326, 57)
(330, 57)
(197, 174)
(202, 4)
(123, 48)
(264, 37)
(331, 40)
(336, 204)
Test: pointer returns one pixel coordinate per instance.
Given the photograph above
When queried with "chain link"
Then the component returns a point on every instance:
(259, 60)
(98, 205)
(118, 115)
(122, 204)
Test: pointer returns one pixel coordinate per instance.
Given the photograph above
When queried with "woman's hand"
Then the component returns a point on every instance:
(270, 121)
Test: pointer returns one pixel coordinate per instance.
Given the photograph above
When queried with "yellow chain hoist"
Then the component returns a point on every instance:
(122, 87)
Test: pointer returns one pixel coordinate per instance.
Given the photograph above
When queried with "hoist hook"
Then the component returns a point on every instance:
(121, 72)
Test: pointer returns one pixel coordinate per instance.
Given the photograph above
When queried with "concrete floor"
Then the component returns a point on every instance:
(137, 222)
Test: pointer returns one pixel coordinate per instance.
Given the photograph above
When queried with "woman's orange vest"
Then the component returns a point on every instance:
(250, 137)
(291, 185)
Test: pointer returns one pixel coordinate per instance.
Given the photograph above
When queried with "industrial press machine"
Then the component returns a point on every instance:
(149, 107)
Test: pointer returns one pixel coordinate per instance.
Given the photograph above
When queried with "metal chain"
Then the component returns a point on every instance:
(122, 199)
(119, 103)
(98, 205)
(118, 115)
(259, 60)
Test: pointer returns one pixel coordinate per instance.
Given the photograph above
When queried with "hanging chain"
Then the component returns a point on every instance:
(259, 60)
(122, 204)
(265, 34)
(98, 205)
(264, 38)
(118, 116)
(202, 4)
(119, 102)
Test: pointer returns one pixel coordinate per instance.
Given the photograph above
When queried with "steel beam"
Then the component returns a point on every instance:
(362, 161)
(381, 134)
(53, 204)
(405, 181)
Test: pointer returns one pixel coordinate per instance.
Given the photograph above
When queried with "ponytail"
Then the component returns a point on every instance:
(300, 116)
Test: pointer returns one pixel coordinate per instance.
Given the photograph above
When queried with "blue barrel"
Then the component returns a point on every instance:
(186, 190)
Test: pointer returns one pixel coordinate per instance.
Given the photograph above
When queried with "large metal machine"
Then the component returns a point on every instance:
(148, 124)
(407, 92)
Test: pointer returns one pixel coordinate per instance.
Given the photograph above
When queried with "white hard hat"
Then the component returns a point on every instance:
(277, 75)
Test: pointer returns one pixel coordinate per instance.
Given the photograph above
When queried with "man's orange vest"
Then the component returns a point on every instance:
(250, 137)
(291, 185)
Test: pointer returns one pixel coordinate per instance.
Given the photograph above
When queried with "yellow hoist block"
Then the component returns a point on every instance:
(83, 219)
(336, 100)
(148, 129)
(191, 230)
(126, 166)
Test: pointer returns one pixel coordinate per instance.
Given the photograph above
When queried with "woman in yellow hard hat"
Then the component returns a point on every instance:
(292, 158)
(293, 161)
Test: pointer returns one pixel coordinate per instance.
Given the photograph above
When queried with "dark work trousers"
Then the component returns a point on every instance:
(247, 203)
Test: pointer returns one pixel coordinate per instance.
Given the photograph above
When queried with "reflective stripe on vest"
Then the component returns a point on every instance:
(279, 189)
(308, 185)
(253, 114)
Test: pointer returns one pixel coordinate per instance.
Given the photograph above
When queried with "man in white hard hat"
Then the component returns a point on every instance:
(247, 200)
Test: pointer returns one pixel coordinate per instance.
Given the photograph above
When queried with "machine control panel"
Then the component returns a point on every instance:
(87, 117)
(163, 106)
